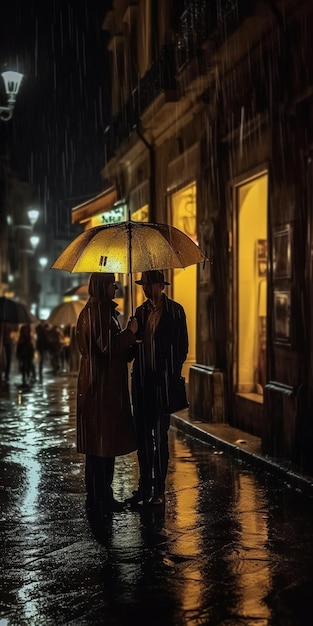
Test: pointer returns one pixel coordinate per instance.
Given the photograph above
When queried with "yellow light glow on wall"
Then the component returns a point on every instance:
(184, 210)
(141, 215)
(252, 288)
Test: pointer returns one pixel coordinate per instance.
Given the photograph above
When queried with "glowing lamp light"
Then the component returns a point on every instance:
(34, 240)
(12, 82)
(43, 262)
(33, 216)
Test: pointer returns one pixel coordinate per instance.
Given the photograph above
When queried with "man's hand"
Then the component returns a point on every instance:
(133, 325)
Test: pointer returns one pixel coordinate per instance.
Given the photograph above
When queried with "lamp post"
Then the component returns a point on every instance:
(12, 83)
(26, 242)
(33, 286)
(43, 312)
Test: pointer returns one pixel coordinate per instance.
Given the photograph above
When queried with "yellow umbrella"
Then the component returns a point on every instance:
(66, 313)
(129, 247)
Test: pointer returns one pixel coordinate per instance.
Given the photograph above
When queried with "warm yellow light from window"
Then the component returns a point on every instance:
(141, 215)
(184, 216)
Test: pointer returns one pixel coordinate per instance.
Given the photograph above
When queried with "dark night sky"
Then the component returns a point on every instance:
(56, 136)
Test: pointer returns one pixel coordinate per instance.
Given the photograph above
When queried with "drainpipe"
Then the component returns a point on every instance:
(152, 198)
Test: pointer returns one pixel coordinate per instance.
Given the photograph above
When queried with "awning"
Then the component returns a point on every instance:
(99, 204)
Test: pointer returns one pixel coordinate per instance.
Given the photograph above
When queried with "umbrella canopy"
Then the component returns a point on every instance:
(129, 247)
(15, 312)
(66, 313)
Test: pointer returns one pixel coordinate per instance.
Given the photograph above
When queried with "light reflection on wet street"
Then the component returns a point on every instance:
(232, 547)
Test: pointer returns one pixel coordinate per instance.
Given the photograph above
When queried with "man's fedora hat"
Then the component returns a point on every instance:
(152, 277)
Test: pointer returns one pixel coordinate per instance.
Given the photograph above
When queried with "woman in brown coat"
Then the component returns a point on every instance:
(104, 420)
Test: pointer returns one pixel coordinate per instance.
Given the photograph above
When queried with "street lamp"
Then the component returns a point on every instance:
(43, 262)
(33, 215)
(12, 82)
(34, 240)
(43, 310)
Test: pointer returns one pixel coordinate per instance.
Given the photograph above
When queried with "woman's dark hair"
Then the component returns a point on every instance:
(98, 283)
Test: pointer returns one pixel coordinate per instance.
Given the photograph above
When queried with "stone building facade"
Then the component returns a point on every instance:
(212, 132)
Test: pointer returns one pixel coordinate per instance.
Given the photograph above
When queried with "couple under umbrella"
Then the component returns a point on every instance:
(155, 339)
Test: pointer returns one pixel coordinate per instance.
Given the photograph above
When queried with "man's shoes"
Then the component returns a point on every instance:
(136, 501)
(154, 503)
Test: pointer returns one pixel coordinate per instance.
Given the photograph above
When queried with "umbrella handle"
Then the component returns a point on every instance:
(130, 267)
(131, 295)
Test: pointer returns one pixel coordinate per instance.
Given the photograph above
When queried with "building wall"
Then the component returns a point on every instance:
(241, 102)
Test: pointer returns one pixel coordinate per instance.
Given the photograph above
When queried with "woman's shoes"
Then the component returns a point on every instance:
(135, 502)
(134, 499)
(115, 506)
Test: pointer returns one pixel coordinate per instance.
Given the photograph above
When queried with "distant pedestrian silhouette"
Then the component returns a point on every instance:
(25, 351)
(42, 345)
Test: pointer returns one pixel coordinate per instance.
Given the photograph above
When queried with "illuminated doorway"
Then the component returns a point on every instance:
(184, 287)
(252, 286)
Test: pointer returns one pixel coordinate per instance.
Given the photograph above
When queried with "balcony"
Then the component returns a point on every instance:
(186, 66)
(213, 37)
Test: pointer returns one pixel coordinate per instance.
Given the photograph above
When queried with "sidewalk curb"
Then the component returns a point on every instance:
(276, 468)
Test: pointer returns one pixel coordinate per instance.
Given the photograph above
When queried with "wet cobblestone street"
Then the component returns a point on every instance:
(233, 546)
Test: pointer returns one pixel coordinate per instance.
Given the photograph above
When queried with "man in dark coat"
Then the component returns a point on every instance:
(104, 421)
(161, 349)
